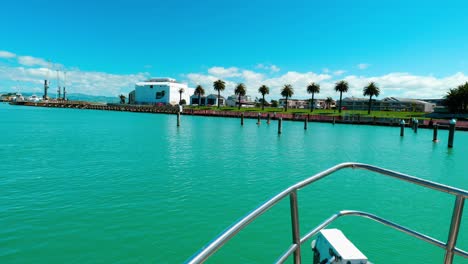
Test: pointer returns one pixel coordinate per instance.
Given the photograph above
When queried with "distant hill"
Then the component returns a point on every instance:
(79, 97)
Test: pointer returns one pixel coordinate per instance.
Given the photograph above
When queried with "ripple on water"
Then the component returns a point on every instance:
(79, 186)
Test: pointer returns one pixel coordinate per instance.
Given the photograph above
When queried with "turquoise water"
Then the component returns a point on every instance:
(85, 186)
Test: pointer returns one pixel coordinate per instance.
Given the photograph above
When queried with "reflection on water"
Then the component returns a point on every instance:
(84, 185)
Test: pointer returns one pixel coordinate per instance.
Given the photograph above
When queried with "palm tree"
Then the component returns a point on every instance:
(122, 99)
(199, 91)
(287, 92)
(240, 91)
(371, 90)
(181, 90)
(328, 102)
(456, 99)
(342, 87)
(219, 86)
(313, 88)
(263, 90)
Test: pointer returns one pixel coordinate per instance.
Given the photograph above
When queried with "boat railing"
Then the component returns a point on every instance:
(297, 240)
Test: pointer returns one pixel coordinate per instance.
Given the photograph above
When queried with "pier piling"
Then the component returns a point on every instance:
(268, 118)
(258, 119)
(305, 123)
(178, 119)
(452, 124)
(333, 120)
(280, 120)
(434, 137)
(416, 124)
(402, 128)
(242, 119)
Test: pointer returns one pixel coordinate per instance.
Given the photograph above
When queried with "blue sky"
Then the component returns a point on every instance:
(410, 48)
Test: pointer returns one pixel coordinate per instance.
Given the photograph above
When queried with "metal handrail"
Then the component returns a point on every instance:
(295, 248)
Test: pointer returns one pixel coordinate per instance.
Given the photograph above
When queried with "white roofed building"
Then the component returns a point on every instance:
(161, 91)
(295, 103)
(406, 104)
(233, 100)
(388, 104)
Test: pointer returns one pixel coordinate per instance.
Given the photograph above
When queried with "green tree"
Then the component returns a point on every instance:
(240, 91)
(263, 90)
(274, 103)
(219, 86)
(342, 87)
(313, 88)
(287, 92)
(122, 99)
(181, 91)
(371, 90)
(329, 102)
(456, 99)
(199, 91)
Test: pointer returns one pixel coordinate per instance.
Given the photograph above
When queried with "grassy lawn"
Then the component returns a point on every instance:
(388, 114)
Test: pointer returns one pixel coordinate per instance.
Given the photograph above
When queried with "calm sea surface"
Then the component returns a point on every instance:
(85, 186)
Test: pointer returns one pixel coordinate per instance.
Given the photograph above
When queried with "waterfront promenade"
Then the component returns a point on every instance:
(169, 109)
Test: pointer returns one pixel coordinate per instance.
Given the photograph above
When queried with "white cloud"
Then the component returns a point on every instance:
(253, 80)
(260, 66)
(299, 82)
(222, 72)
(252, 76)
(274, 68)
(339, 72)
(270, 67)
(93, 83)
(206, 81)
(32, 61)
(29, 75)
(363, 66)
(6, 54)
(392, 84)
(407, 85)
(101, 82)
(201, 79)
(32, 71)
(326, 70)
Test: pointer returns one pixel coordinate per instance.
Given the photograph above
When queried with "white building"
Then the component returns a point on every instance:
(194, 100)
(161, 91)
(209, 100)
(388, 104)
(295, 103)
(212, 99)
(246, 100)
(406, 104)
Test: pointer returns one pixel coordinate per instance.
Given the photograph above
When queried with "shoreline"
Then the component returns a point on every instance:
(169, 109)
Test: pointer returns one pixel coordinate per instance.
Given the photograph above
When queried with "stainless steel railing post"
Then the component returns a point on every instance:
(296, 236)
(454, 228)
